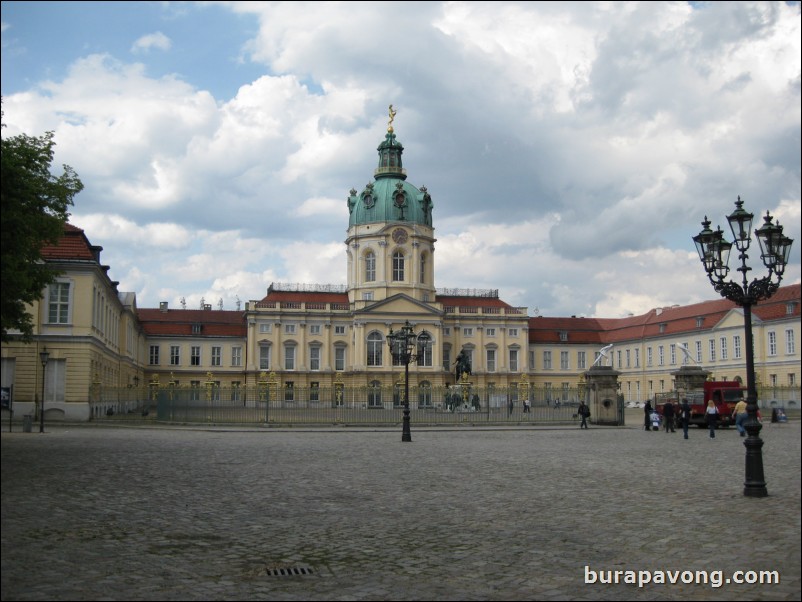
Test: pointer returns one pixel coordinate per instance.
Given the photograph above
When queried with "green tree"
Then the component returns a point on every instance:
(34, 211)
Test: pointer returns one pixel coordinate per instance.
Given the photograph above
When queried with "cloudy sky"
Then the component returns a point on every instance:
(571, 149)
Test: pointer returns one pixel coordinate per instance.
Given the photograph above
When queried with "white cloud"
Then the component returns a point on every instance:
(571, 149)
(146, 43)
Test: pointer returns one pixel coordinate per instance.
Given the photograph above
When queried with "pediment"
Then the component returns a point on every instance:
(734, 319)
(400, 304)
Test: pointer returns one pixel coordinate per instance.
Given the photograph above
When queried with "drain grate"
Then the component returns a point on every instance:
(289, 571)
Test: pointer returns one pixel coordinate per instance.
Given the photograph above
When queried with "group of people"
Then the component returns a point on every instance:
(682, 415)
(671, 415)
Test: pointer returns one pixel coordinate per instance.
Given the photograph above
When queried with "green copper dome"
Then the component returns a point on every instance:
(390, 198)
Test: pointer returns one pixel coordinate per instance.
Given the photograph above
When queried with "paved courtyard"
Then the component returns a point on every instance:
(117, 513)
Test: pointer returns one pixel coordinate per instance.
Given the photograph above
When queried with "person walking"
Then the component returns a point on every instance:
(740, 415)
(584, 413)
(711, 418)
(647, 418)
(668, 416)
(685, 416)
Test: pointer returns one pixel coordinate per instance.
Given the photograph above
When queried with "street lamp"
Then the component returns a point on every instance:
(43, 356)
(714, 252)
(403, 345)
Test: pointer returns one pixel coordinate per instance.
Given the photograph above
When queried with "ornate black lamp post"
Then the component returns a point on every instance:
(43, 356)
(406, 346)
(714, 251)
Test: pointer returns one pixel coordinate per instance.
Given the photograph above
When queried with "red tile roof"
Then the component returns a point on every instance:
(180, 322)
(71, 246)
(674, 320)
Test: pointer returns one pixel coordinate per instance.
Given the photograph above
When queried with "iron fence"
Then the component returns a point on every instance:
(339, 405)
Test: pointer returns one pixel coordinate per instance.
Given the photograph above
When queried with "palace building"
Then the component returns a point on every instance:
(309, 342)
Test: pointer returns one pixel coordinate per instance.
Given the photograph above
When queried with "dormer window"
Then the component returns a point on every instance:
(563, 335)
(197, 328)
(662, 327)
(699, 322)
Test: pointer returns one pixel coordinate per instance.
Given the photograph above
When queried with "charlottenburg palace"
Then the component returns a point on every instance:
(314, 341)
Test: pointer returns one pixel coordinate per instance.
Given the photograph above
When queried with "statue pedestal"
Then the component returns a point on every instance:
(689, 378)
(460, 400)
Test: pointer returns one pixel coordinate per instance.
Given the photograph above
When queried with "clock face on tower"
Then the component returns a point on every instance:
(400, 236)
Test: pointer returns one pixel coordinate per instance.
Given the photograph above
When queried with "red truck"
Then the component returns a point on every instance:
(724, 393)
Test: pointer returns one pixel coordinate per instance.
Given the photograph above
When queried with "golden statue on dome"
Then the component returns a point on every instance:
(392, 116)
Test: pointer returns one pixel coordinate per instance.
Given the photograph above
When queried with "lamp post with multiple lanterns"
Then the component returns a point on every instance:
(714, 252)
(405, 347)
(43, 357)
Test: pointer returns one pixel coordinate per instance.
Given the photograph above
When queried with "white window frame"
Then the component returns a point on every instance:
(289, 356)
(265, 357)
(370, 266)
(513, 355)
(59, 302)
(314, 358)
(490, 355)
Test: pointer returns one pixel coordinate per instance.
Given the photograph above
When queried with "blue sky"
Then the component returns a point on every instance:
(206, 41)
(571, 149)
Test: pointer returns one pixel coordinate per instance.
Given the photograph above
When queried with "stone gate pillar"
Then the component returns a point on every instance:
(602, 394)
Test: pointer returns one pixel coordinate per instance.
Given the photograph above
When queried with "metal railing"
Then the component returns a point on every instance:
(340, 405)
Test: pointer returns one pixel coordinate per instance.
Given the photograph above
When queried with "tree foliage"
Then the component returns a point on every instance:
(34, 210)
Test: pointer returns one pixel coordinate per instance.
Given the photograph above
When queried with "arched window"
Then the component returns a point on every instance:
(398, 266)
(370, 266)
(425, 394)
(374, 394)
(423, 268)
(375, 346)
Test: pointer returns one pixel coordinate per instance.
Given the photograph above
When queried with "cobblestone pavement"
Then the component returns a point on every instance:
(92, 513)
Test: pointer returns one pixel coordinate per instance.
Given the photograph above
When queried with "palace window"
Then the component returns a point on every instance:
(59, 303)
(398, 266)
(772, 343)
(264, 357)
(289, 357)
(375, 347)
(339, 358)
(370, 266)
(513, 360)
(491, 360)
